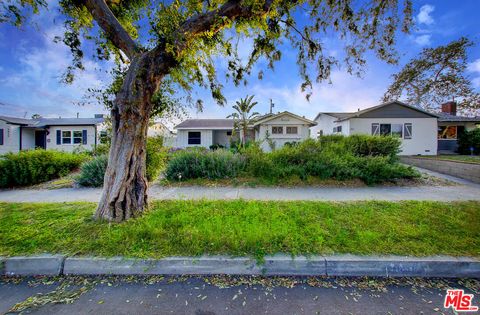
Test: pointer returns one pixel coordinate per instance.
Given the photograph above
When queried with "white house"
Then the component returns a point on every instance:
(279, 128)
(63, 134)
(416, 128)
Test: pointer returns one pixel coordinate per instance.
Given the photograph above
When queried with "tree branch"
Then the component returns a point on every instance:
(213, 20)
(112, 28)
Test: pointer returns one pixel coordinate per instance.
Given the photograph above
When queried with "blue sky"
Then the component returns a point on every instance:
(31, 66)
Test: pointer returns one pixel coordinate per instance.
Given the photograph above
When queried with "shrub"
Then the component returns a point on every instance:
(469, 139)
(377, 169)
(364, 145)
(197, 163)
(156, 157)
(36, 166)
(93, 171)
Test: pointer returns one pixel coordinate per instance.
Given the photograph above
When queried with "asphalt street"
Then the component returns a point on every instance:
(229, 295)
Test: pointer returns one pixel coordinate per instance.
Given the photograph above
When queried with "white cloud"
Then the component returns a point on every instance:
(346, 94)
(41, 69)
(424, 14)
(423, 40)
(474, 66)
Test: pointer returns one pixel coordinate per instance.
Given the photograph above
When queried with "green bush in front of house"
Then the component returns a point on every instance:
(92, 172)
(371, 159)
(469, 139)
(36, 166)
(198, 163)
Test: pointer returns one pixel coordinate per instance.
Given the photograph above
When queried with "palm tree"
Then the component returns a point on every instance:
(242, 116)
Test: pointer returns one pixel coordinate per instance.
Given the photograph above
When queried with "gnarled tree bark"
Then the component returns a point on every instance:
(125, 185)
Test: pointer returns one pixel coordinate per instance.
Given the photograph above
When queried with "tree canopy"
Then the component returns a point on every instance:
(195, 33)
(436, 76)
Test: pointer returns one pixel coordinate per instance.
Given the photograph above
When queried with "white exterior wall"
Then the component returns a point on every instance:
(221, 137)
(280, 139)
(11, 137)
(28, 139)
(324, 123)
(327, 123)
(206, 138)
(424, 133)
(52, 138)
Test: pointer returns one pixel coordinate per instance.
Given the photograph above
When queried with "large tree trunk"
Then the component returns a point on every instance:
(125, 185)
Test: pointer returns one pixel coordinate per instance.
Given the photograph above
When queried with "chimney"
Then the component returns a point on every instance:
(78, 114)
(450, 108)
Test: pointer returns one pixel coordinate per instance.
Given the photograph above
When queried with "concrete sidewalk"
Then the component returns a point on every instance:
(438, 193)
(463, 190)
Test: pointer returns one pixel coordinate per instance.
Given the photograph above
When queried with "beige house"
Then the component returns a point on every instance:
(271, 130)
(64, 134)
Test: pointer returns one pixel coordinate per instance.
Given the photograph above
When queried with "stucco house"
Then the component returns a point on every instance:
(416, 128)
(64, 134)
(280, 128)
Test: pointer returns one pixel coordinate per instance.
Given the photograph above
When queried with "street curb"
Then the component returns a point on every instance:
(397, 266)
(277, 265)
(44, 265)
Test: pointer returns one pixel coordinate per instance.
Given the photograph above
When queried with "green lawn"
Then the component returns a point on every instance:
(245, 228)
(457, 158)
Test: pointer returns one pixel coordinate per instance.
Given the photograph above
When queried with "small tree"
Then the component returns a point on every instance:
(436, 76)
(242, 117)
(162, 47)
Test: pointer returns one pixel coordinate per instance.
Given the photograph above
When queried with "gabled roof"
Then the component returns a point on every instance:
(336, 115)
(453, 118)
(15, 120)
(219, 124)
(43, 122)
(67, 121)
(370, 109)
(270, 117)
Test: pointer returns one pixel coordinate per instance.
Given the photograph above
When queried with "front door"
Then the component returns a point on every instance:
(40, 139)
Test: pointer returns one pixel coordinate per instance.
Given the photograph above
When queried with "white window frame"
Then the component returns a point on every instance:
(277, 133)
(292, 133)
(65, 137)
(407, 133)
(73, 136)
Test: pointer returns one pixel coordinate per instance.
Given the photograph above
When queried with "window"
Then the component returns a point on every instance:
(194, 137)
(229, 133)
(292, 130)
(66, 137)
(337, 129)
(385, 129)
(397, 130)
(77, 137)
(1, 136)
(447, 132)
(277, 130)
(375, 129)
(407, 131)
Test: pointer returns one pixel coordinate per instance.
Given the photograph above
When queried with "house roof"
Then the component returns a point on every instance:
(218, 124)
(366, 110)
(15, 120)
(43, 122)
(336, 115)
(270, 117)
(453, 118)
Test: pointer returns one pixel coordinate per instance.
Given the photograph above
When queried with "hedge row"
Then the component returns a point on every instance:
(36, 166)
(372, 159)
